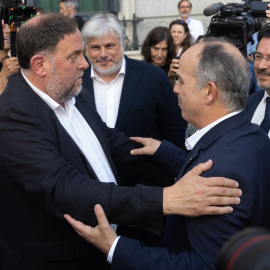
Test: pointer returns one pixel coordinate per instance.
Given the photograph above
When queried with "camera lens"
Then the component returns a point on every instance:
(248, 249)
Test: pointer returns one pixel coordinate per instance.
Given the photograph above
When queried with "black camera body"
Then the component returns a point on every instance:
(14, 13)
(237, 22)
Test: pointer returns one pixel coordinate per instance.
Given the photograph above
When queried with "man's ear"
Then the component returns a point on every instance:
(70, 8)
(38, 66)
(211, 92)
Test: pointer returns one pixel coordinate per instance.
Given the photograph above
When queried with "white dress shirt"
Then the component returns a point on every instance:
(259, 113)
(107, 96)
(81, 133)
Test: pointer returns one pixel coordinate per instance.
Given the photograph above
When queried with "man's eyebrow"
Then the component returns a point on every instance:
(74, 53)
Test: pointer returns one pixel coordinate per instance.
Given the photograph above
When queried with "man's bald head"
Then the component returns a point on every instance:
(222, 63)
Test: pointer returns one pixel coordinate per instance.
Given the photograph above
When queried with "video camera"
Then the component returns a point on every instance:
(14, 13)
(237, 22)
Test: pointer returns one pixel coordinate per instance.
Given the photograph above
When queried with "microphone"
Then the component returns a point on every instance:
(213, 9)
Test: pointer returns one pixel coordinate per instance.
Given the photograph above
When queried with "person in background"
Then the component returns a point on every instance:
(40, 11)
(158, 48)
(69, 8)
(182, 41)
(195, 26)
(133, 96)
(181, 36)
(258, 104)
(8, 65)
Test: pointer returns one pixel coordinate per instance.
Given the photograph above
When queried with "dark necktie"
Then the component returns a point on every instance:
(265, 125)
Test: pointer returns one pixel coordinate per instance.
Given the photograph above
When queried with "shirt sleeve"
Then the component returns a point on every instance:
(110, 254)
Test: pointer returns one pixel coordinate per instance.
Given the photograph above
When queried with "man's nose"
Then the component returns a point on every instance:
(6, 28)
(103, 52)
(83, 63)
(263, 64)
(159, 52)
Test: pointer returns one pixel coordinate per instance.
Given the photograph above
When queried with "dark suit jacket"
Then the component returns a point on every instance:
(240, 151)
(44, 175)
(253, 102)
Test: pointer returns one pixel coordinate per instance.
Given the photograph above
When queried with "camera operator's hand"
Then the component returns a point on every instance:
(268, 12)
(10, 66)
(173, 69)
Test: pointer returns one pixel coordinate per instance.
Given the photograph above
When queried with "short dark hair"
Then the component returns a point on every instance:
(42, 36)
(264, 32)
(183, 1)
(187, 42)
(155, 36)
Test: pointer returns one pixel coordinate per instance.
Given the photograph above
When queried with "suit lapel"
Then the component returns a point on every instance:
(132, 78)
(213, 135)
(89, 113)
(253, 102)
(88, 83)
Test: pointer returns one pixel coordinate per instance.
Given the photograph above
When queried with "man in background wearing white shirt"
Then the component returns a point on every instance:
(132, 96)
(195, 26)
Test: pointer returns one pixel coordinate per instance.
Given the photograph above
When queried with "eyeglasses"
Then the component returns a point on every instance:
(185, 7)
(258, 57)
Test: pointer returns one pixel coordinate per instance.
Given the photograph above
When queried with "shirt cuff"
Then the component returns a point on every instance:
(111, 252)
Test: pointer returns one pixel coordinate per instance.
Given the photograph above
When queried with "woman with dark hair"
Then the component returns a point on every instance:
(158, 48)
(182, 40)
(181, 36)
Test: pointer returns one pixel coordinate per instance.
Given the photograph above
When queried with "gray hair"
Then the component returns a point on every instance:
(101, 24)
(73, 3)
(228, 70)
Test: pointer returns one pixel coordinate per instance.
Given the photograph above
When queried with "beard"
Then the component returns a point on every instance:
(60, 90)
(184, 15)
(107, 71)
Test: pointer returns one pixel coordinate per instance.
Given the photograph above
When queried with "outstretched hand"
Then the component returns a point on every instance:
(150, 146)
(194, 196)
(102, 236)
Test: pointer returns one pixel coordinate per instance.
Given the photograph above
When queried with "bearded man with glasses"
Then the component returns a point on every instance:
(258, 104)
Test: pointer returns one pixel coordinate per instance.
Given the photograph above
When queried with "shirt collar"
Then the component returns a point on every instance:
(122, 70)
(192, 140)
